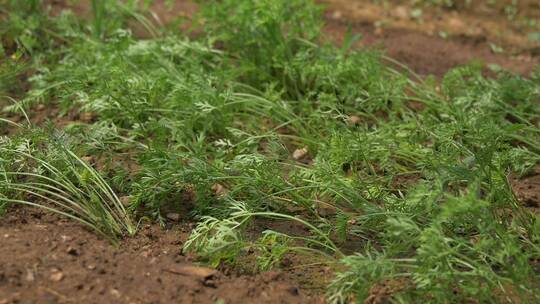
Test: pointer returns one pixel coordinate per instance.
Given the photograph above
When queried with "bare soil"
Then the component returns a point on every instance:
(418, 43)
(48, 259)
(527, 190)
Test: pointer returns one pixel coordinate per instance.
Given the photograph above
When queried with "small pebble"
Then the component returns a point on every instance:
(56, 276)
(299, 154)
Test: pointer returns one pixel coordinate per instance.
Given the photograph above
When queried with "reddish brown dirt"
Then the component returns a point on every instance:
(58, 261)
(380, 293)
(409, 48)
(418, 45)
(47, 259)
(414, 42)
(479, 19)
(527, 190)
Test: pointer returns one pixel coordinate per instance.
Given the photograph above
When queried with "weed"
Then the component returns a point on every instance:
(55, 179)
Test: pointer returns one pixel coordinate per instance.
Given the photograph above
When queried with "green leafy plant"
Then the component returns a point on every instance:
(59, 181)
(389, 178)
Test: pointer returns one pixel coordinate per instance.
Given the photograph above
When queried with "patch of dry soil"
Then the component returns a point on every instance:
(419, 46)
(48, 259)
(527, 190)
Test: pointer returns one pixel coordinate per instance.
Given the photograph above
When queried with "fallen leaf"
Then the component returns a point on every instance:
(195, 271)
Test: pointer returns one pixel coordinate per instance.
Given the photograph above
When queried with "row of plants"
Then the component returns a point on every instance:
(257, 120)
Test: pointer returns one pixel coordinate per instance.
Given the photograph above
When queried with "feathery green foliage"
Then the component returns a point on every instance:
(259, 120)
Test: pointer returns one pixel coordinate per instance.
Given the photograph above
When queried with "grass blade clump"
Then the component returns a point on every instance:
(57, 180)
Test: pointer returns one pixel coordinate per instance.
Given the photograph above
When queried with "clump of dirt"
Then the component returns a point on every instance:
(48, 259)
(527, 190)
(380, 293)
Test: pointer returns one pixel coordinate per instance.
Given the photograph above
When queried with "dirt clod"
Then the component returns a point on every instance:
(88, 159)
(30, 277)
(300, 154)
(115, 293)
(125, 200)
(56, 276)
(88, 117)
(72, 251)
(219, 189)
(380, 293)
(354, 120)
(527, 189)
(175, 217)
